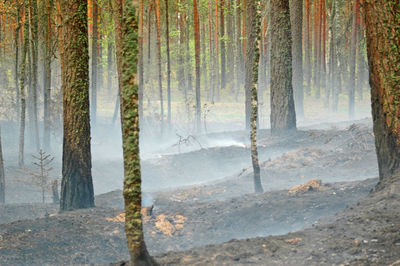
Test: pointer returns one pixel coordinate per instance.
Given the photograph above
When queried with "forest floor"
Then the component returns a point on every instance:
(203, 196)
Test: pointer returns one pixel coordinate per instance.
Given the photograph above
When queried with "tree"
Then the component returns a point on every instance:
(94, 59)
(283, 116)
(160, 90)
(168, 62)
(22, 88)
(130, 136)
(252, 63)
(352, 80)
(2, 176)
(76, 184)
(297, 51)
(382, 19)
(197, 59)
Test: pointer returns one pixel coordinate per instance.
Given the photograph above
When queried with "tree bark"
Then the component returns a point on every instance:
(352, 63)
(382, 30)
(197, 59)
(307, 48)
(130, 136)
(160, 89)
(2, 176)
(222, 43)
(252, 63)
(283, 116)
(94, 59)
(168, 63)
(297, 51)
(77, 184)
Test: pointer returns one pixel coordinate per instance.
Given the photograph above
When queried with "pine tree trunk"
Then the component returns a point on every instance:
(33, 9)
(216, 57)
(22, 88)
(383, 29)
(2, 176)
(47, 73)
(307, 48)
(130, 136)
(352, 63)
(297, 50)
(160, 89)
(140, 66)
(93, 103)
(77, 184)
(283, 116)
(252, 63)
(197, 59)
(16, 63)
(238, 51)
(222, 43)
(168, 63)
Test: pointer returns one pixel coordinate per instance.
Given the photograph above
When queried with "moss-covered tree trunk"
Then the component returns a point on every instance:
(283, 116)
(383, 30)
(130, 137)
(252, 63)
(94, 59)
(76, 184)
(2, 176)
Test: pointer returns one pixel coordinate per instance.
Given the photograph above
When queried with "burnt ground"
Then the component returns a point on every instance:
(223, 207)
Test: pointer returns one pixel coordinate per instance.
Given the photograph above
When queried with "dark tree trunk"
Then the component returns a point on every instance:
(252, 63)
(76, 185)
(93, 104)
(283, 116)
(297, 51)
(383, 29)
(130, 136)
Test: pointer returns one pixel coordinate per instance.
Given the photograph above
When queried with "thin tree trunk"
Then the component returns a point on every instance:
(168, 63)
(297, 50)
(33, 9)
(160, 90)
(47, 73)
(2, 176)
(216, 57)
(197, 59)
(22, 88)
(130, 136)
(238, 51)
(283, 116)
(352, 63)
(307, 48)
(77, 185)
(222, 43)
(140, 66)
(16, 66)
(252, 63)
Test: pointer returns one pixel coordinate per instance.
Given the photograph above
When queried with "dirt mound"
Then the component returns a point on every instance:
(312, 185)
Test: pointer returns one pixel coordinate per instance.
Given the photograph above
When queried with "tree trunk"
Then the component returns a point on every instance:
(140, 66)
(247, 93)
(297, 50)
(222, 43)
(238, 51)
(33, 9)
(352, 64)
(93, 103)
(160, 90)
(16, 65)
(307, 48)
(2, 176)
(22, 88)
(216, 57)
(197, 59)
(283, 116)
(47, 73)
(383, 29)
(252, 62)
(130, 136)
(77, 184)
(168, 63)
